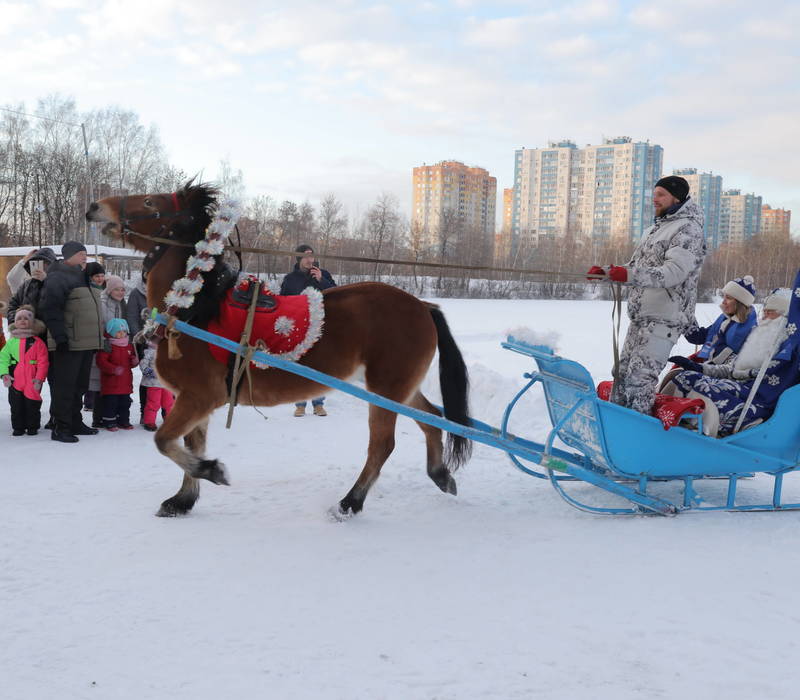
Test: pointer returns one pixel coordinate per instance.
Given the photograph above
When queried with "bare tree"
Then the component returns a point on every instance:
(331, 221)
(381, 227)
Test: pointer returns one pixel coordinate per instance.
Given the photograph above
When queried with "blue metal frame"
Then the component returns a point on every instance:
(606, 464)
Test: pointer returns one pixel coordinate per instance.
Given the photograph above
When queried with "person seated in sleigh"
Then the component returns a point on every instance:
(767, 365)
(723, 339)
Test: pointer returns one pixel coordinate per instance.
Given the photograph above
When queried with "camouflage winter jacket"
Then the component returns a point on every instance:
(665, 267)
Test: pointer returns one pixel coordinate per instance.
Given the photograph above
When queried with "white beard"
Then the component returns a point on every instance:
(760, 344)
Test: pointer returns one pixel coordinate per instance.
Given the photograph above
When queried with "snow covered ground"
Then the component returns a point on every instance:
(501, 592)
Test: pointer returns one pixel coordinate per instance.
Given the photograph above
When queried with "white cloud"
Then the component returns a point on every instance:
(571, 46)
(14, 16)
(651, 16)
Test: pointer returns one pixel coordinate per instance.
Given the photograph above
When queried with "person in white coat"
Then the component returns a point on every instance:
(662, 275)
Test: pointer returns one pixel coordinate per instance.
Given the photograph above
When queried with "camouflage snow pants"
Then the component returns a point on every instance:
(645, 353)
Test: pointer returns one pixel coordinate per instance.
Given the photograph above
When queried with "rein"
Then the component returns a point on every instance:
(382, 261)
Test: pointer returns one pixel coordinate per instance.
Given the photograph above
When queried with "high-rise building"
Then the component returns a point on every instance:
(600, 192)
(706, 190)
(502, 241)
(469, 193)
(775, 222)
(739, 217)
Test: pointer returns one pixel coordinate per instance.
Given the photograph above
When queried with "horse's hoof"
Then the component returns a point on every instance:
(170, 509)
(444, 480)
(213, 470)
(336, 514)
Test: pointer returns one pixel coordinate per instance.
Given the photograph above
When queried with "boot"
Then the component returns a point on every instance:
(319, 410)
(299, 411)
(62, 435)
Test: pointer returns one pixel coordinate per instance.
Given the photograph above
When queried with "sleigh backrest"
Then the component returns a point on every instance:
(571, 400)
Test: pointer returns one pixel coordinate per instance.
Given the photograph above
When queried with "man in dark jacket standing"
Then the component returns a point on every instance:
(307, 273)
(70, 307)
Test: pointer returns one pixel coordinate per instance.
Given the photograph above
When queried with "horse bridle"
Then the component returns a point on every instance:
(155, 254)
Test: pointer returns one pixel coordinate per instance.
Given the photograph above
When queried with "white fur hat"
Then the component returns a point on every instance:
(778, 301)
(742, 289)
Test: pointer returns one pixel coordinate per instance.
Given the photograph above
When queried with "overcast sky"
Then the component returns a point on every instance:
(347, 96)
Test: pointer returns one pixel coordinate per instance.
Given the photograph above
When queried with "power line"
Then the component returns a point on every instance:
(36, 116)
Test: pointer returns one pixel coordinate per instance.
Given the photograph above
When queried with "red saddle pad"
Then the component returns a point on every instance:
(288, 325)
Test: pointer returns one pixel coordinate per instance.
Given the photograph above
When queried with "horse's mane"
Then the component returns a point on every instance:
(200, 200)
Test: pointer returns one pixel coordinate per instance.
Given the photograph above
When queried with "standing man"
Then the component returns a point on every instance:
(663, 274)
(70, 307)
(307, 273)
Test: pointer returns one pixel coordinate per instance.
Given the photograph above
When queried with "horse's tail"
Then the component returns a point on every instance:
(454, 383)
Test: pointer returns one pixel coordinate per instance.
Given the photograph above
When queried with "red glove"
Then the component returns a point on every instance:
(8, 380)
(118, 371)
(595, 270)
(617, 273)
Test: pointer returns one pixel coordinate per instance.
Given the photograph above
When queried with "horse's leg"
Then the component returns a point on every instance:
(437, 470)
(183, 501)
(188, 412)
(381, 444)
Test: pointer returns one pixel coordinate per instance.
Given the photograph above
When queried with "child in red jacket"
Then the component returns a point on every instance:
(116, 377)
(23, 369)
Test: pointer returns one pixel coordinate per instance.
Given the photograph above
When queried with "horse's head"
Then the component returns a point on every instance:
(181, 216)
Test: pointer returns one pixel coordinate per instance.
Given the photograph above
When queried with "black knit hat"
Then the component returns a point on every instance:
(675, 185)
(70, 248)
(94, 268)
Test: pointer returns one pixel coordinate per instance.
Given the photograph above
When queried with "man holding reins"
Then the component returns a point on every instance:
(662, 275)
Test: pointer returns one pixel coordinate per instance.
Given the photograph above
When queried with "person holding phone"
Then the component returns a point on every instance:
(307, 273)
(29, 291)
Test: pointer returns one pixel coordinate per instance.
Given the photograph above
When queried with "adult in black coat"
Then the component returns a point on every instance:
(70, 307)
(307, 273)
(31, 288)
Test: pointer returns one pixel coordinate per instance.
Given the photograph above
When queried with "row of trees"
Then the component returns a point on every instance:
(45, 177)
(45, 174)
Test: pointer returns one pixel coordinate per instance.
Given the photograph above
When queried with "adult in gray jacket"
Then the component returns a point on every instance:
(70, 307)
(662, 274)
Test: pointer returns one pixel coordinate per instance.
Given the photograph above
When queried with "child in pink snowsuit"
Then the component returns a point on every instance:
(23, 369)
(157, 396)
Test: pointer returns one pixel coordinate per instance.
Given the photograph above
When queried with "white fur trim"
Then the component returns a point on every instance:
(738, 292)
(778, 301)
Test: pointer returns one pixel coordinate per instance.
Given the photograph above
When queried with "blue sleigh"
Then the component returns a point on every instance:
(626, 453)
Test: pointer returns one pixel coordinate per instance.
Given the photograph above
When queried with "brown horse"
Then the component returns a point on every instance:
(388, 334)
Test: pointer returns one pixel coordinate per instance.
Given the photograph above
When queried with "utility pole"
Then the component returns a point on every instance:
(91, 229)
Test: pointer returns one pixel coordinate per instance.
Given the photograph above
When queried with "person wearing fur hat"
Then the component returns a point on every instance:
(116, 376)
(23, 369)
(725, 387)
(158, 398)
(30, 290)
(662, 276)
(70, 308)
